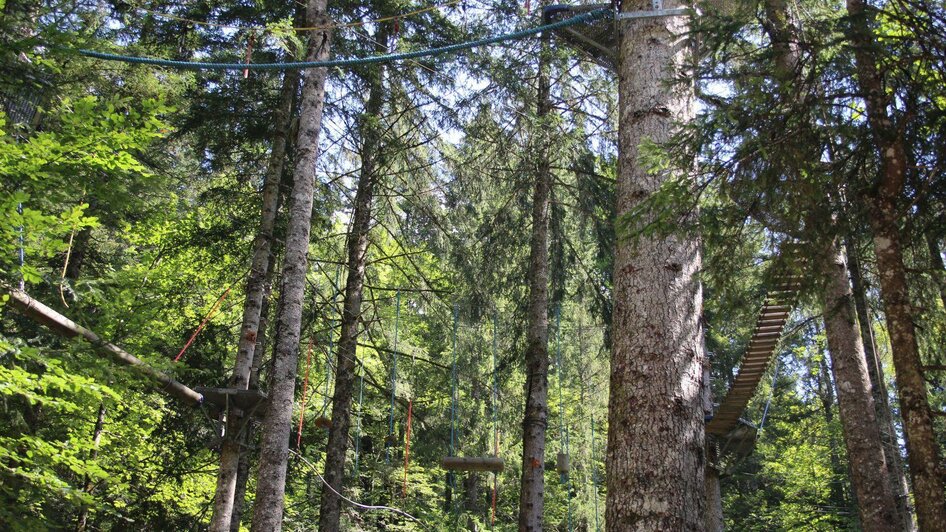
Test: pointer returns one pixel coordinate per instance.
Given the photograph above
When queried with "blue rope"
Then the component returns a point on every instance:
(397, 319)
(383, 58)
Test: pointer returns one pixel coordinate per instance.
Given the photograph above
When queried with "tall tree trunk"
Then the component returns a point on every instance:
(713, 521)
(655, 441)
(885, 204)
(869, 477)
(535, 420)
(875, 370)
(337, 446)
(274, 451)
(826, 396)
(235, 438)
(862, 435)
(243, 470)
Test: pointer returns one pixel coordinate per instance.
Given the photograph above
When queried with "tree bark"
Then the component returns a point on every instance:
(227, 476)
(862, 435)
(274, 451)
(337, 446)
(869, 476)
(655, 452)
(885, 202)
(243, 470)
(535, 420)
(875, 370)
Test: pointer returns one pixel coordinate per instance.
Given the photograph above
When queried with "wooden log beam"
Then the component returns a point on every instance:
(478, 463)
(63, 326)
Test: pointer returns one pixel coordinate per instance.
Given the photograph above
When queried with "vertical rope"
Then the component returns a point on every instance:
(22, 231)
(331, 346)
(453, 396)
(361, 396)
(563, 430)
(594, 472)
(305, 389)
(594, 467)
(492, 520)
(407, 445)
(397, 319)
(765, 411)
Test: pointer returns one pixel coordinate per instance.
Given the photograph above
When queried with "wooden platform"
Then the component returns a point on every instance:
(221, 398)
(770, 324)
(477, 463)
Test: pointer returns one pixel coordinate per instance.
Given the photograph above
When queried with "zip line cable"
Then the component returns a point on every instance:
(355, 61)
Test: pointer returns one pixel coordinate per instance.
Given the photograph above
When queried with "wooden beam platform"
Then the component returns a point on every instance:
(477, 463)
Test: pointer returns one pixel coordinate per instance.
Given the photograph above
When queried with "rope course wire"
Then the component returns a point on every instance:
(389, 442)
(355, 61)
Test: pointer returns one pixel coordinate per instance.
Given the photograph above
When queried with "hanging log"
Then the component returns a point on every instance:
(63, 326)
(478, 463)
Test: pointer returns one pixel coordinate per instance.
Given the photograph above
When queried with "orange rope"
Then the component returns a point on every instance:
(305, 388)
(407, 445)
(203, 323)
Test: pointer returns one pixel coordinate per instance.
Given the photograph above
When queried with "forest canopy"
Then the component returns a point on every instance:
(636, 266)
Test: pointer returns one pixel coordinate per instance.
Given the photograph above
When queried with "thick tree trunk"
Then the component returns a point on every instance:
(875, 370)
(274, 451)
(535, 420)
(655, 441)
(922, 451)
(337, 447)
(256, 282)
(862, 435)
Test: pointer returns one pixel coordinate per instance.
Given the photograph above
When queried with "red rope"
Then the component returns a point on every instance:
(407, 446)
(305, 388)
(203, 323)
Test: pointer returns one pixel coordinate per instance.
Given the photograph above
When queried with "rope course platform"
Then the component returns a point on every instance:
(595, 37)
(770, 325)
(240, 398)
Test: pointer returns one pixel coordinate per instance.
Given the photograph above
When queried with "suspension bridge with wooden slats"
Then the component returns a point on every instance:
(779, 302)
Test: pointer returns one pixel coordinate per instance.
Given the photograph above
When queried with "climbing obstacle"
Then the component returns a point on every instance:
(477, 463)
(220, 400)
(596, 37)
(778, 304)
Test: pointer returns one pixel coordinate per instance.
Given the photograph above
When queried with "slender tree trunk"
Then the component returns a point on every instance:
(243, 470)
(885, 203)
(862, 435)
(274, 452)
(826, 396)
(235, 438)
(83, 519)
(937, 268)
(337, 447)
(713, 521)
(655, 441)
(875, 370)
(535, 420)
